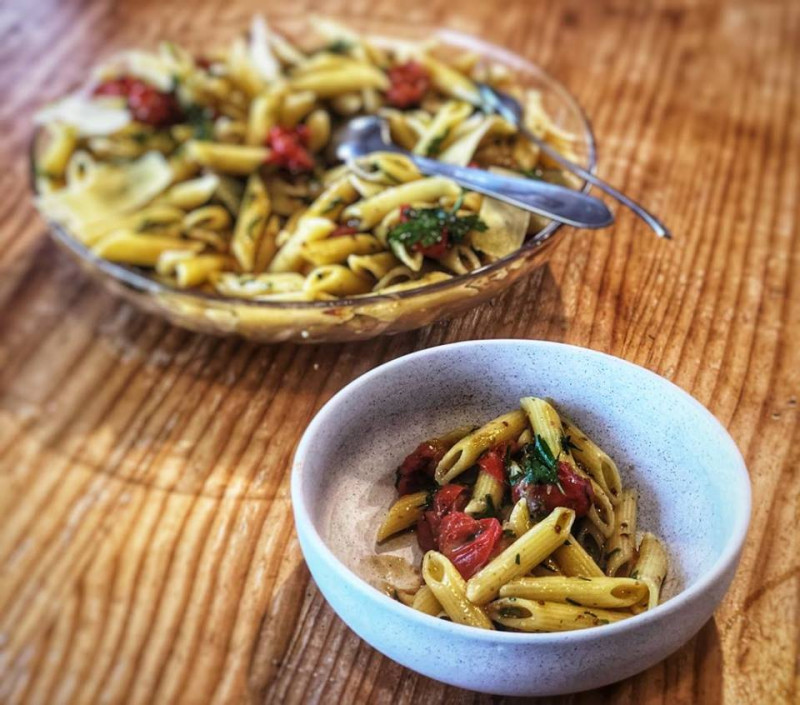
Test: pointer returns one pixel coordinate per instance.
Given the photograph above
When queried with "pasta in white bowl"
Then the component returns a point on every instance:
(204, 179)
(545, 609)
(519, 534)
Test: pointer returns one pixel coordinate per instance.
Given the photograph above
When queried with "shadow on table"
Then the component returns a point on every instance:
(90, 378)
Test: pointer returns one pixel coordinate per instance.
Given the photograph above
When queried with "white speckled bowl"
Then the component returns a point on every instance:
(693, 486)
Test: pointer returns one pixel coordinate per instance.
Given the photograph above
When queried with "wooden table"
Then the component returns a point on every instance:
(147, 552)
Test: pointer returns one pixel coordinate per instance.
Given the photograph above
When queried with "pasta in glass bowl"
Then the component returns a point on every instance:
(224, 212)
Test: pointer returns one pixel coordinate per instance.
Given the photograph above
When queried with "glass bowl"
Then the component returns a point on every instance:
(362, 317)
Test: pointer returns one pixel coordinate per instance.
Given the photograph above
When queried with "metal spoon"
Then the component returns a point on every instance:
(509, 109)
(368, 134)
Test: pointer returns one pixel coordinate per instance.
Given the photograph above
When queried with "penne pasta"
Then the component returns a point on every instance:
(574, 561)
(651, 568)
(487, 493)
(610, 593)
(251, 224)
(196, 270)
(464, 453)
(448, 587)
(228, 158)
(328, 83)
(521, 556)
(371, 210)
(403, 514)
(621, 546)
(194, 193)
(337, 249)
(139, 249)
(334, 280)
(519, 521)
(531, 616)
(596, 462)
(425, 601)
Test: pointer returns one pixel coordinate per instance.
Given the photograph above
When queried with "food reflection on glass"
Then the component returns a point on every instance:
(211, 172)
(524, 525)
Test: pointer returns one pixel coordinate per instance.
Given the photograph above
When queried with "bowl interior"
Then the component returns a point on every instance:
(693, 489)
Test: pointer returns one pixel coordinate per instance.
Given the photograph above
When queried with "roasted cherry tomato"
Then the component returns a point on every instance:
(409, 84)
(289, 148)
(147, 105)
(493, 462)
(450, 498)
(468, 542)
(574, 493)
(416, 471)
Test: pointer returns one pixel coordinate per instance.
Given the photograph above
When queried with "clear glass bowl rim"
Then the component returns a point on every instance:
(135, 279)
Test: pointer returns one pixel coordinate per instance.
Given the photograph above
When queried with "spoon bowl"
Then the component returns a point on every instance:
(368, 134)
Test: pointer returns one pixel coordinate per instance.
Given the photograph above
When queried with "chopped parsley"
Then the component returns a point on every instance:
(516, 559)
(139, 137)
(535, 173)
(339, 46)
(426, 227)
(538, 465)
(201, 121)
(435, 145)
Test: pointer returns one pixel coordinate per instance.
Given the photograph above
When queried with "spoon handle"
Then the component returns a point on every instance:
(551, 201)
(655, 224)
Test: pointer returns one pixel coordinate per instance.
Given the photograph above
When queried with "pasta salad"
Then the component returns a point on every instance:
(524, 525)
(213, 172)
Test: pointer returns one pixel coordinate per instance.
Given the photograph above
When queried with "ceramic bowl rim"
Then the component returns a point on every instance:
(725, 560)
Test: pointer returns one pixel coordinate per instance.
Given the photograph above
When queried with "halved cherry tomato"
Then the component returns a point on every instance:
(416, 471)
(468, 542)
(450, 498)
(147, 105)
(288, 145)
(577, 493)
(493, 462)
(409, 84)
(437, 249)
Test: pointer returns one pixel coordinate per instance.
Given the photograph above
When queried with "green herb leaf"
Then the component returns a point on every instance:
(516, 559)
(539, 465)
(535, 173)
(199, 117)
(339, 46)
(435, 145)
(424, 227)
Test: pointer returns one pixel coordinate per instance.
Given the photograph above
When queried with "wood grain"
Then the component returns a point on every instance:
(147, 552)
